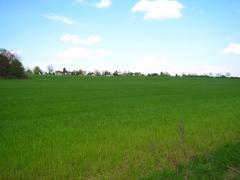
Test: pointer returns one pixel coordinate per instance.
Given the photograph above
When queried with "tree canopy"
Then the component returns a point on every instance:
(37, 70)
(10, 66)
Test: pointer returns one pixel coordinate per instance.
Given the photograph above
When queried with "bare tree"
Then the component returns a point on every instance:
(50, 69)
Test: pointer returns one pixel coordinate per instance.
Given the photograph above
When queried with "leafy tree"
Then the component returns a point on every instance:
(37, 70)
(130, 73)
(153, 74)
(4, 65)
(11, 56)
(138, 74)
(106, 73)
(16, 69)
(116, 73)
(82, 72)
(10, 66)
(90, 74)
(74, 72)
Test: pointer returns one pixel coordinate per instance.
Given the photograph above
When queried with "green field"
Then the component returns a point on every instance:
(117, 127)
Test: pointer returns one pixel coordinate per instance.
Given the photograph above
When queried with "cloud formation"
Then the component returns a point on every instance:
(17, 52)
(75, 39)
(159, 9)
(104, 4)
(59, 18)
(232, 48)
(150, 64)
(74, 53)
(99, 4)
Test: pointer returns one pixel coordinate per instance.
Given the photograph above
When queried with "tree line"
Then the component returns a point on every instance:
(11, 67)
(50, 71)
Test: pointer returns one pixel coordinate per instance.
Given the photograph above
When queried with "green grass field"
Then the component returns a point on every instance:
(119, 127)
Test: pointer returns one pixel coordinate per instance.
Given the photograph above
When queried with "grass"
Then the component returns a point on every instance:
(223, 163)
(113, 127)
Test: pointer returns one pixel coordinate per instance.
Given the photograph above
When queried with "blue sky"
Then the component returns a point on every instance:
(191, 36)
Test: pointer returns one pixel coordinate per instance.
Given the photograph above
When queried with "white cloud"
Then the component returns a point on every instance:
(232, 48)
(17, 52)
(104, 3)
(80, 2)
(75, 53)
(100, 4)
(205, 69)
(151, 64)
(59, 18)
(75, 39)
(159, 9)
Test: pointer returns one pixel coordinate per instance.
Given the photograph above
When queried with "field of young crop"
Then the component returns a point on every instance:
(118, 127)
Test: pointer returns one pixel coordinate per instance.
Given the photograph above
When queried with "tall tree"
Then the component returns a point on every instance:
(16, 69)
(4, 65)
(10, 66)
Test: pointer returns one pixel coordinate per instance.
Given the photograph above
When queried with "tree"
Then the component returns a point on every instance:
(10, 55)
(29, 71)
(153, 74)
(164, 74)
(106, 73)
(228, 74)
(65, 71)
(219, 75)
(37, 70)
(10, 66)
(50, 69)
(138, 74)
(82, 72)
(116, 73)
(97, 73)
(16, 69)
(74, 72)
(4, 65)
(210, 75)
(90, 74)
(130, 73)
